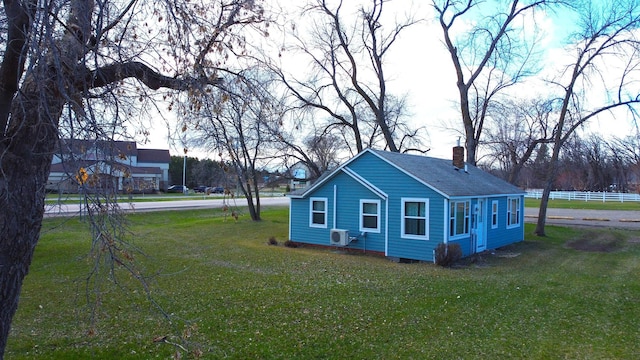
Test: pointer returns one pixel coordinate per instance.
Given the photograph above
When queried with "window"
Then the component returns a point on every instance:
(318, 212)
(513, 212)
(370, 215)
(415, 222)
(459, 218)
(494, 214)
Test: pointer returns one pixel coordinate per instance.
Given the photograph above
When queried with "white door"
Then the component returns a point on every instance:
(479, 230)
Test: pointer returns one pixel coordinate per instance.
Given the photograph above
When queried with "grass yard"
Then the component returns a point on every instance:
(230, 295)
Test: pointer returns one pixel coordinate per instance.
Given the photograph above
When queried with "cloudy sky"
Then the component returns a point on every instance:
(419, 66)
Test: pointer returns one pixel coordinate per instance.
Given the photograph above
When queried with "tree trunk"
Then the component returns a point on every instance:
(255, 216)
(552, 171)
(469, 130)
(27, 151)
(254, 208)
(542, 212)
(388, 136)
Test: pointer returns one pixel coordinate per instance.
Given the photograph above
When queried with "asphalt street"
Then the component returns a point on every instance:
(594, 218)
(205, 203)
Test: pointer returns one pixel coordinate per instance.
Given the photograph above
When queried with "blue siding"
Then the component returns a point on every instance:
(465, 241)
(498, 237)
(501, 236)
(347, 214)
(396, 185)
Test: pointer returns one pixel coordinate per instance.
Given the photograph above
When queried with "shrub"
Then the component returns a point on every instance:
(290, 244)
(448, 254)
(273, 241)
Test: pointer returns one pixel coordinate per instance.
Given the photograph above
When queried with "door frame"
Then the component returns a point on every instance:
(479, 229)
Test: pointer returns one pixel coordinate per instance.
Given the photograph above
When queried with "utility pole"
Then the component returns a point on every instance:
(184, 173)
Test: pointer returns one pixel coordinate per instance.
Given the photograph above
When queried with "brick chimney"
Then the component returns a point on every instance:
(458, 156)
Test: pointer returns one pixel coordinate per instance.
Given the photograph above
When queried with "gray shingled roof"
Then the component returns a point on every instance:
(440, 174)
(446, 178)
(154, 156)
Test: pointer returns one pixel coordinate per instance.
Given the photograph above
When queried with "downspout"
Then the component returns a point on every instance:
(335, 206)
(290, 219)
(473, 227)
(386, 226)
(445, 232)
(522, 215)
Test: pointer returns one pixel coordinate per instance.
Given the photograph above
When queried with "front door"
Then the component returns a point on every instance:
(479, 231)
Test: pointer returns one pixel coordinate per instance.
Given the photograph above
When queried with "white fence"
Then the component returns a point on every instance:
(585, 196)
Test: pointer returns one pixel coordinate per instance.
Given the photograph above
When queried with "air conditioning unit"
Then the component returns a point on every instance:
(339, 237)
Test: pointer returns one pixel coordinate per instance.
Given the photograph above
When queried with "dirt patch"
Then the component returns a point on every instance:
(634, 240)
(504, 254)
(597, 242)
(486, 258)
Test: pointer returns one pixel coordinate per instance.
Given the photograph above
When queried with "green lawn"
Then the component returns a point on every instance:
(230, 295)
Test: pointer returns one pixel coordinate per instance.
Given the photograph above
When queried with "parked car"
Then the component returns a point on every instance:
(177, 189)
(200, 189)
(217, 190)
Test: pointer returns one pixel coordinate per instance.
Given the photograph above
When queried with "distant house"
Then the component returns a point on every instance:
(113, 165)
(404, 205)
(300, 174)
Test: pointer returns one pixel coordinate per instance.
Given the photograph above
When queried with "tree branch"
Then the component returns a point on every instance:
(19, 18)
(109, 74)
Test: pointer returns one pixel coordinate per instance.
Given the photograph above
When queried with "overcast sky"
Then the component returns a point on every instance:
(419, 66)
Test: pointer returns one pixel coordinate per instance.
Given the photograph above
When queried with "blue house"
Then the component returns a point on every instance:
(403, 206)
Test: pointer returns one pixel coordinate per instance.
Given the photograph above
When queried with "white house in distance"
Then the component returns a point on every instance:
(300, 176)
(118, 166)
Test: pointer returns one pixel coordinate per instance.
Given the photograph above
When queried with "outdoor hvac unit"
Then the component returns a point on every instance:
(339, 237)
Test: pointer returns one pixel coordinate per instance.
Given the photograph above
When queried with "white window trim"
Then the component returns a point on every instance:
(495, 214)
(362, 228)
(468, 220)
(518, 220)
(403, 235)
(326, 211)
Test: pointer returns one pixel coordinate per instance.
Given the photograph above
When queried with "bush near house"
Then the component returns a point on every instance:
(448, 254)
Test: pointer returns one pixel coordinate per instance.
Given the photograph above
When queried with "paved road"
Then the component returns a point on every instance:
(71, 209)
(596, 218)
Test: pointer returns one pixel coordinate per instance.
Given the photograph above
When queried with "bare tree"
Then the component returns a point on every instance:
(494, 55)
(519, 128)
(87, 58)
(324, 152)
(600, 172)
(585, 164)
(235, 122)
(348, 81)
(607, 58)
(626, 153)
